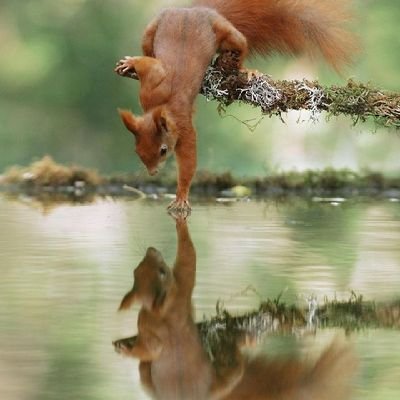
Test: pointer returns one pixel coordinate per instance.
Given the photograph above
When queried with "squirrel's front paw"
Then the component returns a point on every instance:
(126, 66)
(179, 207)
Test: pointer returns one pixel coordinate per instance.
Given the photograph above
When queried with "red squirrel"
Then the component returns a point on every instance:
(179, 44)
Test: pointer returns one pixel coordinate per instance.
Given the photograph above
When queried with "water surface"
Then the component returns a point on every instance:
(64, 271)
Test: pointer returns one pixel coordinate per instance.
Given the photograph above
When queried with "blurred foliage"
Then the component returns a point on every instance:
(46, 172)
(58, 93)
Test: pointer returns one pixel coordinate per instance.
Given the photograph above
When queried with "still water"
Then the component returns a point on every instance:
(65, 270)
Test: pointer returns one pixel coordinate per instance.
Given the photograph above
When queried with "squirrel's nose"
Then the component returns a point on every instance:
(153, 171)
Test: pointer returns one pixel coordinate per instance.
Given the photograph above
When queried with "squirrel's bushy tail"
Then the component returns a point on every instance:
(291, 26)
(332, 377)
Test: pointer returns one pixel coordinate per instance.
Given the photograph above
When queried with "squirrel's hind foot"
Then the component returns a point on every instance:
(124, 346)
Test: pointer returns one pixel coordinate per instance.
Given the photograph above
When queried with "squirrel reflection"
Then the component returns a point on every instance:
(174, 363)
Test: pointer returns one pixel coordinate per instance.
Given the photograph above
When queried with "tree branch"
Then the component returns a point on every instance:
(224, 83)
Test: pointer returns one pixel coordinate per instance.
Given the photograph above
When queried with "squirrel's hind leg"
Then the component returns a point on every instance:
(144, 347)
(148, 37)
(228, 38)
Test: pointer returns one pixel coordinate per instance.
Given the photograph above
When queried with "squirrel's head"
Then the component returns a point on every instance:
(154, 140)
(152, 279)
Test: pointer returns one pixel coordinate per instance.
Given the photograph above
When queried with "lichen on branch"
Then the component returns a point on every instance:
(224, 83)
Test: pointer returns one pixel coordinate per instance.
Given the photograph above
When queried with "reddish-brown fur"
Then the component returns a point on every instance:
(179, 45)
(292, 26)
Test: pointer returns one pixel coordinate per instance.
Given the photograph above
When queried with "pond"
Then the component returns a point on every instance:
(65, 270)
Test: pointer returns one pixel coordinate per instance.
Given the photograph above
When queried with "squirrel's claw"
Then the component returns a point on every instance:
(179, 216)
(125, 66)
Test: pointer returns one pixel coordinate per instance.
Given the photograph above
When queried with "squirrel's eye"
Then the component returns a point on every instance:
(163, 150)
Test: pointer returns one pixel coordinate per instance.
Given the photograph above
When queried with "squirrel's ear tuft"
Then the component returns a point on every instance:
(163, 123)
(160, 119)
(130, 121)
(128, 300)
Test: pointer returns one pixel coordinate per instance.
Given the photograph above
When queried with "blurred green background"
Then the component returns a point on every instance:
(59, 95)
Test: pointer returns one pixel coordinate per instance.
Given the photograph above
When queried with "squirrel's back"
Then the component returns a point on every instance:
(291, 26)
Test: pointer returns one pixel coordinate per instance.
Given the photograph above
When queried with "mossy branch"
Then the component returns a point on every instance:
(225, 83)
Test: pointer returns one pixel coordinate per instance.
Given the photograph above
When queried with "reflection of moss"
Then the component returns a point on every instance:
(357, 314)
(49, 200)
(225, 331)
(352, 314)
